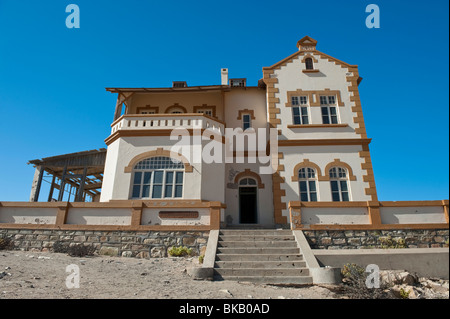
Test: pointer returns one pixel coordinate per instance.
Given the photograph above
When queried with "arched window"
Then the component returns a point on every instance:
(307, 184)
(158, 177)
(309, 64)
(339, 186)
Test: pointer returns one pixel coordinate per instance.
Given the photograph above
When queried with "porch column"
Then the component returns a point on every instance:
(36, 184)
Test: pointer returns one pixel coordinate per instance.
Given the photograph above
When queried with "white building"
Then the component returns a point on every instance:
(310, 98)
(319, 145)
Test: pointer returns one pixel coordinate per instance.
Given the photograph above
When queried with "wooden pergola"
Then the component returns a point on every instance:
(81, 173)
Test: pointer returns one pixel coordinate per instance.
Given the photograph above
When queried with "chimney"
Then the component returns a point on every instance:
(224, 73)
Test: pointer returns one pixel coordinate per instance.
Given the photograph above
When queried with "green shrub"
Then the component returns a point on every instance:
(404, 294)
(180, 251)
(201, 258)
(392, 243)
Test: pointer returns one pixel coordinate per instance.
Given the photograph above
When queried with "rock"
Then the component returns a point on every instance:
(43, 257)
(200, 273)
(127, 254)
(3, 274)
(226, 291)
(158, 252)
(406, 278)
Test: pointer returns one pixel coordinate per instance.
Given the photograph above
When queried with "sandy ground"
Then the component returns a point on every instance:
(37, 275)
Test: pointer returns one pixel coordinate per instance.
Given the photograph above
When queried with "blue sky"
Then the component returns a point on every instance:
(52, 79)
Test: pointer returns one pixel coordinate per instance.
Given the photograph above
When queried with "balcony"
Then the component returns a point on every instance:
(155, 122)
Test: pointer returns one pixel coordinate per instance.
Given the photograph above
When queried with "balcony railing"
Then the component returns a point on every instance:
(167, 121)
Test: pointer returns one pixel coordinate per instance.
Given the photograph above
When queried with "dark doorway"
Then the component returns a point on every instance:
(248, 205)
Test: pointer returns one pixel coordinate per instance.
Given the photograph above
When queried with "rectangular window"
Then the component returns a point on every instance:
(137, 185)
(168, 189)
(308, 191)
(157, 184)
(246, 121)
(335, 191)
(299, 110)
(208, 112)
(179, 185)
(339, 191)
(300, 115)
(329, 115)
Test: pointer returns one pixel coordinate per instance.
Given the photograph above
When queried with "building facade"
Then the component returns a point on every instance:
(309, 99)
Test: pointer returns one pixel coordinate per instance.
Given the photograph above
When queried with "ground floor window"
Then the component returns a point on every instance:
(307, 184)
(158, 177)
(339, 184)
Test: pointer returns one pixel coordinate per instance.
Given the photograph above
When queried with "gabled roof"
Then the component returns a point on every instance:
(304, 45)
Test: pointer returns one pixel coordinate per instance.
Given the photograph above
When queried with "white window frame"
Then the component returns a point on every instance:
(339, 175)
(152, 183)
(328, 103)
(300, 104)
(309, 176)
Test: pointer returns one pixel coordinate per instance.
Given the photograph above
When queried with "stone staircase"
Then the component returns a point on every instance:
(260, 256)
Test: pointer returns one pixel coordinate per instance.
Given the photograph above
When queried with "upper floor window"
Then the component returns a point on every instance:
(208, 112)
(339, 186)
(158, 177)
(307, 184)
(329, 109)
(309, 64)
(246, 121)
(300, 109)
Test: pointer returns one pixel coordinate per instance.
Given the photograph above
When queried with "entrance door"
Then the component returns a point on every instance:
(248, 201)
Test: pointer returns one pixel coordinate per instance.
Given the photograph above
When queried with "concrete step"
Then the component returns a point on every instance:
(258, 250)
(255, 232)
(260, 264)
(257, 244)
(259, 257)
(294, 280)
(256, 237)
(264, 272)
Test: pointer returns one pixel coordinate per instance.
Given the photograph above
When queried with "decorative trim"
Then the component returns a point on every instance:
(316, 125)
(309, 55)
(338, 163)
(249, 173)
(178, 215)
(160, 132)
(306, 163)
(246, 111)
(176, 105)
(313, 96)
(311, 71)
(324, 142)
(158, 152)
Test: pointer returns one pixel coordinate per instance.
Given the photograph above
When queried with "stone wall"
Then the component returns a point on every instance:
(356, 239)
(115, 243)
